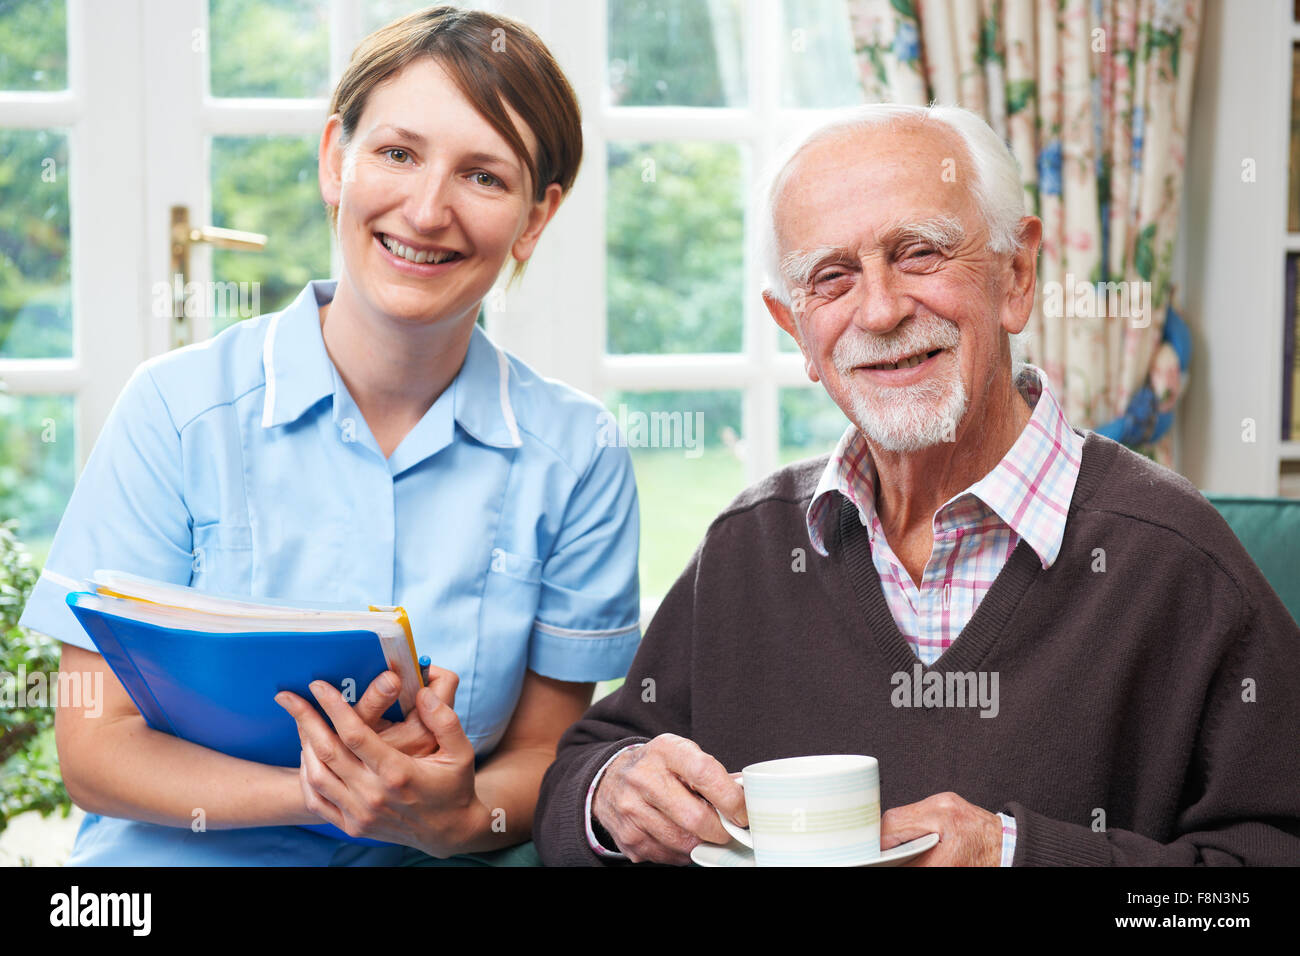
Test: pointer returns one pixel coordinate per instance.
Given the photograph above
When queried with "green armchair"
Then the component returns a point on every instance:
(1270, 530)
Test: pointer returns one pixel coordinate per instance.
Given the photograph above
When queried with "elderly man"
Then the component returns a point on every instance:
(1137, 676)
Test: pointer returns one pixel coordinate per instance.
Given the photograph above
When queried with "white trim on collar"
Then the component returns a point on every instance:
(507, 410)
(268, 369)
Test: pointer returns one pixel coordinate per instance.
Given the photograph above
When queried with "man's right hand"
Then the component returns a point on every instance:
(657, 801)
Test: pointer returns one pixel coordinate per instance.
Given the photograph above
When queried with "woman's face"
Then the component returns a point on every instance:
(431, 199)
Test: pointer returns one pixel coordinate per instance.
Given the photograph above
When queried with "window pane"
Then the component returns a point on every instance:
(37, 465)
(675, 247)
(818, 61)
(685, 449)
(819, 70)
(266, 184)
(811, 424)
(274, 48)
(35, 233)
(676, 53)
(33, 45)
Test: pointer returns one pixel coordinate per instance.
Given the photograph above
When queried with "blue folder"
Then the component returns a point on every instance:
(218, 690)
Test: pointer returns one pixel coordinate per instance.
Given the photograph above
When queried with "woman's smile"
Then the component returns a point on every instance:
(413, 259)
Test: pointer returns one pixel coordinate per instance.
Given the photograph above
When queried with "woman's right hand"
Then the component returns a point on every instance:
(410, 736)
(110, 758)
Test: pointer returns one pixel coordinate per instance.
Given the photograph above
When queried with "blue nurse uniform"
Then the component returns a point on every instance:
(503, 523)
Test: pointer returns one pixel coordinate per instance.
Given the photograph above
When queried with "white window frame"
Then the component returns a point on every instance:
(139, 82)
(100, 110)
(569, 341)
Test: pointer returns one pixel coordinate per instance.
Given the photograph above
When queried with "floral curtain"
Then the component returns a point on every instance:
(1093, 97)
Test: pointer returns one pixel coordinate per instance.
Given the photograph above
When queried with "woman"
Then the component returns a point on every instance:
(370, 444)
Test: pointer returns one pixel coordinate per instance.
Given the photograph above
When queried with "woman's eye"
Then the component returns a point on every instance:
(486, 179)
(397, 154)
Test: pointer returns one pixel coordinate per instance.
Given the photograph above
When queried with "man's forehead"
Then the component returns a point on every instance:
(901, 142)
(882, 178)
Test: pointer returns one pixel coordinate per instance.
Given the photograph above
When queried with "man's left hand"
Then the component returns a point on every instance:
(968, 835)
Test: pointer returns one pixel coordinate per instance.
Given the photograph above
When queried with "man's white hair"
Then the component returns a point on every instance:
(997, 189)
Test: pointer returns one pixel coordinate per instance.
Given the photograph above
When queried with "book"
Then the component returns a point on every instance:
(1292, 318)
(1289, 482)
(206, 668)
(1288, 350)
(1293, 183)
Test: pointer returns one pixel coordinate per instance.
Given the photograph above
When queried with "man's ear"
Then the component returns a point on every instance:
(1023, 271)
(784, 317)
(330, 161)
(538, 216)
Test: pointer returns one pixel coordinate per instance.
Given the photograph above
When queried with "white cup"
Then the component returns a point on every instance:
(811, 811)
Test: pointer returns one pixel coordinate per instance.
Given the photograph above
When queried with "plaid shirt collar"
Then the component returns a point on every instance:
(1029, 489)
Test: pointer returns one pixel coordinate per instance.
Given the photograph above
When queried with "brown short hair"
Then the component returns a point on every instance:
(490, 58)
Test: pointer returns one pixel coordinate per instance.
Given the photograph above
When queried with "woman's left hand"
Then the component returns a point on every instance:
(365, 787)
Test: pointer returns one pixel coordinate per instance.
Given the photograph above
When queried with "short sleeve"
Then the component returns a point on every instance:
(588, 615)
(127, 512)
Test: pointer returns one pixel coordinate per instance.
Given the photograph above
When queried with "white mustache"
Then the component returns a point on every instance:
(914, 337)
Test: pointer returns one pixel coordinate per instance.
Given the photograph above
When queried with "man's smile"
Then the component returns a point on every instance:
(907, 361)
(908, 369)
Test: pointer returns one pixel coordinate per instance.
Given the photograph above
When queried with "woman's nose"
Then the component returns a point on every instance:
(430, 207)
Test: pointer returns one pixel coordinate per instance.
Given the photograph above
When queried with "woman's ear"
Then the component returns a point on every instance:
(331, 160)
(538, 216)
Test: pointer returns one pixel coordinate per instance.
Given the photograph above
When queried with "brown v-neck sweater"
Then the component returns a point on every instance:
(1148, 705)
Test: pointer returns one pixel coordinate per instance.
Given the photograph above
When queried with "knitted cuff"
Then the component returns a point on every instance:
(569, 846)
(1042, 841)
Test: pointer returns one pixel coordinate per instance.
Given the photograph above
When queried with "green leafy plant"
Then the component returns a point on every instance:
(29, 764)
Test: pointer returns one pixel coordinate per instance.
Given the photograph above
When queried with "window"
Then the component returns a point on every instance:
(644, 293)
(685, 101)
(58, 210)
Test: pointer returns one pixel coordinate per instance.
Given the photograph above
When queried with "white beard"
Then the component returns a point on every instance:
(913, 416)
(906, 418)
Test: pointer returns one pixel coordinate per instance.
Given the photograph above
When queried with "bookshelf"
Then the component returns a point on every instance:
(1234, 244)
(1289, 449)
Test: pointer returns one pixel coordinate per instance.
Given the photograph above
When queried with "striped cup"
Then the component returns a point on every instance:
(811, 811)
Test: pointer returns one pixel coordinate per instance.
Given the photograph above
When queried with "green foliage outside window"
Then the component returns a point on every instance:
(29, 766)
(667, 53)
(674, 236)
(32, 41)
(276, 48)
(35, 291)
(268, 184)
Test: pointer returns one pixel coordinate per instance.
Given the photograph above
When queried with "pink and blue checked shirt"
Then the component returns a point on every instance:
(1026, 495)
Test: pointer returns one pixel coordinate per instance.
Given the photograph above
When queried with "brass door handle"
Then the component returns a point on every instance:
(221, 238)
(184, 235)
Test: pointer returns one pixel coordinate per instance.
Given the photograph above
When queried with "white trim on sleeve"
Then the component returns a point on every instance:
(62, 580)
(570, 632)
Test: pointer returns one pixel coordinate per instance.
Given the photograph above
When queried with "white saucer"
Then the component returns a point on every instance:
(736, 853)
